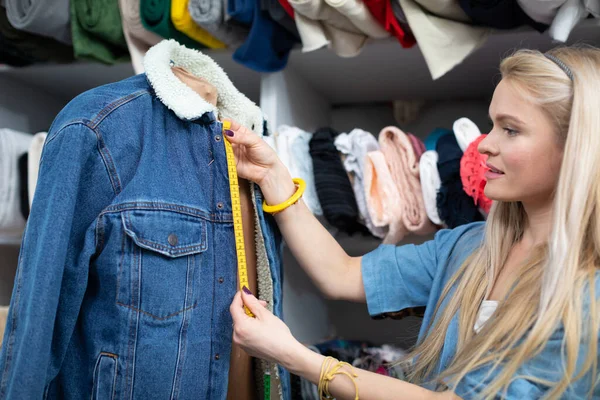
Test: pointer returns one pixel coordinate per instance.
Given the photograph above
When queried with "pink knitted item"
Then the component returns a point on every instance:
(472, 174)
(404, 169)
(418, 145)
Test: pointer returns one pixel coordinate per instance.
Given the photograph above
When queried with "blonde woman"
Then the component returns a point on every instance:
(512, 303)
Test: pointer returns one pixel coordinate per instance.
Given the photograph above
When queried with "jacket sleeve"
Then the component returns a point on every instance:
(59, 240)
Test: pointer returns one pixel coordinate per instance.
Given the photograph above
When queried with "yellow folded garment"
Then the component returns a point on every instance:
(185, 24)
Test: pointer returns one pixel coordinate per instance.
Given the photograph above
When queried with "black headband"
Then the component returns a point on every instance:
(561, 64)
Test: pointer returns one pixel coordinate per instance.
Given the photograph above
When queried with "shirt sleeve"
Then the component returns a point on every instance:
(399, 277)
(73, 187)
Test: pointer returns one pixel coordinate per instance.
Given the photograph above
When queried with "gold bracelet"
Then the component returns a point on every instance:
(300, 187)
(328, 373)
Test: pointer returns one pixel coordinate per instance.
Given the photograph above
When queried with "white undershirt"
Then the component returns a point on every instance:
(487, 308)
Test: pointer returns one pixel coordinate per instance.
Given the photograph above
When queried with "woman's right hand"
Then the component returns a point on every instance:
(258, 162)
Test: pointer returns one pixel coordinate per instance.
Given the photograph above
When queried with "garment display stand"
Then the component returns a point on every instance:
(316, 89)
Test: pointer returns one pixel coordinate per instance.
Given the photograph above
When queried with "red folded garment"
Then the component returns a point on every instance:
(382, 11)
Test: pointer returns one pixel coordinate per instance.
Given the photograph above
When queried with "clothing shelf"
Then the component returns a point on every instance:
(316, 89)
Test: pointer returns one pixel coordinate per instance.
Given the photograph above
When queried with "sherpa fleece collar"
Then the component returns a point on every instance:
(182, 100)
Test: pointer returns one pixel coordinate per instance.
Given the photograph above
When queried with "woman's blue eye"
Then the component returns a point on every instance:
(511, 132)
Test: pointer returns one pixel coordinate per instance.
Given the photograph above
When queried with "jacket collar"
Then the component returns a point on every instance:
(186, 103)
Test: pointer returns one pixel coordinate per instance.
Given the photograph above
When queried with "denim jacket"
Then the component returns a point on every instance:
(128, 266)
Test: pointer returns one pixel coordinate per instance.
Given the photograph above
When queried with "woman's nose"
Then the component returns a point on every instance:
(487, 146)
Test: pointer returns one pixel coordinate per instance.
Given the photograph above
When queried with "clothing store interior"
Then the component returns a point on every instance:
(119, 245)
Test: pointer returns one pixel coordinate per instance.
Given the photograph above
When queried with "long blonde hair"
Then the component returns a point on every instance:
(558, 279)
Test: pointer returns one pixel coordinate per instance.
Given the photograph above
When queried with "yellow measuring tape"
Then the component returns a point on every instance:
(236, 208)
(240, 247)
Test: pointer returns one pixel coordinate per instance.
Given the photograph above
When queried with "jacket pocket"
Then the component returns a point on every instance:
(105, 377)
(162, 253)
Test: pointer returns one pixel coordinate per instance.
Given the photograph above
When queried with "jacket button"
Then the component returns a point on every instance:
(217, 356)
(218, 138)
(221, 280)
(173, 239)
(220, 205)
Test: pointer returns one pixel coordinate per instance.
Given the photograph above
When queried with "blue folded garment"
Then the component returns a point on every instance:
(268, 44)
(434, 136)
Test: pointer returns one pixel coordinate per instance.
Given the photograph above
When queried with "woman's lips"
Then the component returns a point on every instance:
(489, 175)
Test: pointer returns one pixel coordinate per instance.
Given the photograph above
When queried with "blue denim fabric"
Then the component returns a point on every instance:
(398, 277)
(128, 266)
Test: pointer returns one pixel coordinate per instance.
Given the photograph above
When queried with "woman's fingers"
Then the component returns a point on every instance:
(241, 135)
(234, 124)
(252, 303)
(237, 308)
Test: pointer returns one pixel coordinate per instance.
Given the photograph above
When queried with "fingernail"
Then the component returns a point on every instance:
(247, 291)
(229, 133)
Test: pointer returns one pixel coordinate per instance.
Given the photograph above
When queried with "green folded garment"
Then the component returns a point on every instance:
(97, 31)
(19, 48)
(156, 17)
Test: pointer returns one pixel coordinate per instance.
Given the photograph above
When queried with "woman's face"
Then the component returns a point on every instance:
(524, 153)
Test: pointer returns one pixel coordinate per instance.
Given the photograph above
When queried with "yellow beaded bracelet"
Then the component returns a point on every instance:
(300, 187)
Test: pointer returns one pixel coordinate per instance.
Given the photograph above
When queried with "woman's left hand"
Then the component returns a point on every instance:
(264, 336)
